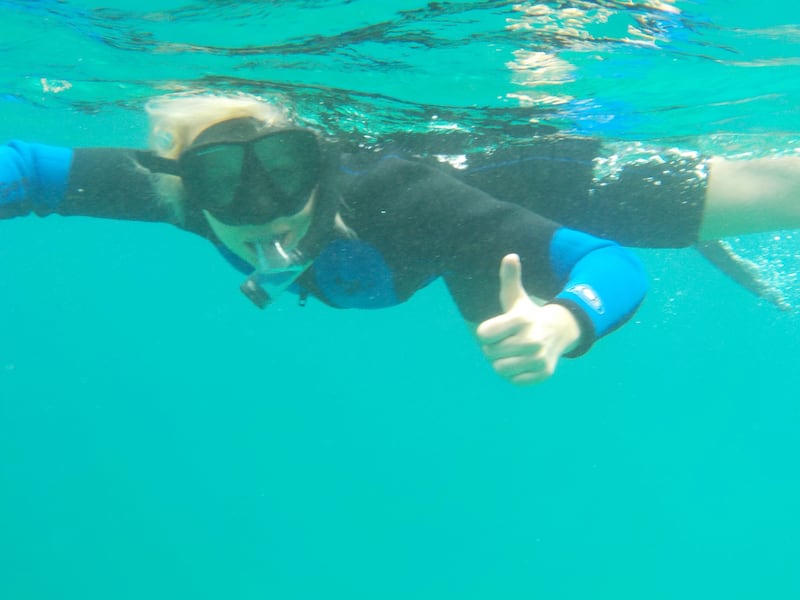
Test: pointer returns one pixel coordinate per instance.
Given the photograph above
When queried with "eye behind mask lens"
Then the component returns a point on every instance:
(292, 162)
(213, 174)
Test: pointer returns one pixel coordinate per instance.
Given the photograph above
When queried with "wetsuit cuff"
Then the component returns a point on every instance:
(588, 334)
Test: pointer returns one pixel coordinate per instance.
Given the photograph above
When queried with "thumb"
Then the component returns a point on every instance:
(511, 289)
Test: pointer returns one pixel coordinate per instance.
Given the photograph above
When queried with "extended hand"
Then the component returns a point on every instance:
(525, 342)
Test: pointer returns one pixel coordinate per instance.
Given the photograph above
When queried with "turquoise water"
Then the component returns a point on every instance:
(159, 438)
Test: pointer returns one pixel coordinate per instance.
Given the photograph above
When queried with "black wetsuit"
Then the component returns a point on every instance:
(412, 222)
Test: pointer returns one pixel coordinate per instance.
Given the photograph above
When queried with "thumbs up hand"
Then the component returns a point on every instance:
(525, 342)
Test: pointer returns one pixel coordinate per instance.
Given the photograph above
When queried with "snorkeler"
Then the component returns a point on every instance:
(352, 231)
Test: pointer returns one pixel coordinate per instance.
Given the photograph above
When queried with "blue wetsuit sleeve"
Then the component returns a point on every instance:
(107, 183)
(33, 177)
(604, 283)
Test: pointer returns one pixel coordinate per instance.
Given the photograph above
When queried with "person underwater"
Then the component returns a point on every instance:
(364, 230)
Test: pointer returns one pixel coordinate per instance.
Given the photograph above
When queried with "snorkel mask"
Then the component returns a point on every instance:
(245, 174)
(242, 173)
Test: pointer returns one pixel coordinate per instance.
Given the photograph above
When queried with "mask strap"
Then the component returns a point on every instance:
(158, 164)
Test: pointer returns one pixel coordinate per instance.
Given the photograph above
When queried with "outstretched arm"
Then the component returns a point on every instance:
(92, 182)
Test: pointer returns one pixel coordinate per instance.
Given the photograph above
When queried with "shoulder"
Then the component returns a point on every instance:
(359, 173)
(395, 180)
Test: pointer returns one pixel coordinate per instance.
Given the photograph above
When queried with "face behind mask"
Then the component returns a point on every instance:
(245, 176)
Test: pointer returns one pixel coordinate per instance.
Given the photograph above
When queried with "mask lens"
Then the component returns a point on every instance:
(291, 160)
(212, 173)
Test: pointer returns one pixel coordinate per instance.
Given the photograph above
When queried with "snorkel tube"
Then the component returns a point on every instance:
(277, 270)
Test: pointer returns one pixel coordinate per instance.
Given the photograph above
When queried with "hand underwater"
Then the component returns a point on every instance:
(525, 342)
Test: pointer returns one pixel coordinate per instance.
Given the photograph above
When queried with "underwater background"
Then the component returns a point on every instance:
(161, 438)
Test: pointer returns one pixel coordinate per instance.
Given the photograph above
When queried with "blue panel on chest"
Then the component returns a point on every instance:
(353, 274)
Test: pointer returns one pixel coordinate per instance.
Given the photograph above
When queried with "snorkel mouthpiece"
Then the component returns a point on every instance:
(277, 270)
